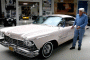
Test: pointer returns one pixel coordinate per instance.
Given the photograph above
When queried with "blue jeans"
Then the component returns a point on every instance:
(80, 33)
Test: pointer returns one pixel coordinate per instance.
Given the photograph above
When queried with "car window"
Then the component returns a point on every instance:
(66, 22)
(62, 23)
(54, 21)
(39, 20)
(69, 21)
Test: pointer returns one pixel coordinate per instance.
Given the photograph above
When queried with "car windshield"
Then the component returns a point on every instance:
(39, 20)
(53, 21)
(49, 20)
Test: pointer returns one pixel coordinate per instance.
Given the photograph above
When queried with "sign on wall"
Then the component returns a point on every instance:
(65, 7)
(46, 5)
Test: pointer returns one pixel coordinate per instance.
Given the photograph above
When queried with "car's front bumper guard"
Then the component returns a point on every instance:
(20, 50)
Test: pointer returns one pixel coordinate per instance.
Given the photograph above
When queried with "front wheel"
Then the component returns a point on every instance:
(46, 50)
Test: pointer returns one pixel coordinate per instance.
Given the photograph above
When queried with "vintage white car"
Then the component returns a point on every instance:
(39, 38)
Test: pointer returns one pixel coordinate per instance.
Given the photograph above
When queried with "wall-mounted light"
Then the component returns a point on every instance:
(33, 5)
(25, 3)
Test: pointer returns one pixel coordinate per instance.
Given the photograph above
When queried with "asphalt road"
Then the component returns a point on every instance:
(60, 53)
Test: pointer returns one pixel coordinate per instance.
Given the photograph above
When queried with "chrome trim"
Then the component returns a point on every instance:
(21, 50)
(4, 44)
(27, 53)
(19, 43)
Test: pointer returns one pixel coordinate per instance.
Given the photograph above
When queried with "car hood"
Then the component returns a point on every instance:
(28, 31)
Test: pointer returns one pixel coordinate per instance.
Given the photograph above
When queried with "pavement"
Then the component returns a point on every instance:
(60, 53)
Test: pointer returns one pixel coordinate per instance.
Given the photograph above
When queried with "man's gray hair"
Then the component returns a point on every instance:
(81, 9)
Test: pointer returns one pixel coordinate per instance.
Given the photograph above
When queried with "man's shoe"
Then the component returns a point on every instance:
(72, 48)
(79, 48)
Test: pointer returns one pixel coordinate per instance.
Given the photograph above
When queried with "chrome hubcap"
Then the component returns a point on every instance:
(47, 49)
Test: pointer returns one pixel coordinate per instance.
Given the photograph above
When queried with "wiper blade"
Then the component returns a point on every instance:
(46, 24)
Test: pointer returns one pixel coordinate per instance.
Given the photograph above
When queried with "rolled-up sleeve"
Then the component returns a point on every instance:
(85, 23)
(74, 23)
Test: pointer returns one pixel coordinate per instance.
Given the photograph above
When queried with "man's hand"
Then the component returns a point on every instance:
(72, 27)
(78, 27)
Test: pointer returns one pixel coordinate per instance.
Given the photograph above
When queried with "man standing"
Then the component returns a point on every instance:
(80, 22)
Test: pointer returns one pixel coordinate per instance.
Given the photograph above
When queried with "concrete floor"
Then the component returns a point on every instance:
(60, 53)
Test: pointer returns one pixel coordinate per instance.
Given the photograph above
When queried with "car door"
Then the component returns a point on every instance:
(62, 32)
(69, 23)
(66, 33)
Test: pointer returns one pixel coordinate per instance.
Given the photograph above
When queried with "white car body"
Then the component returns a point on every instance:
(40, 34)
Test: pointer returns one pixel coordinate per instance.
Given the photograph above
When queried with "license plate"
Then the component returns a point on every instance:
(10, 48)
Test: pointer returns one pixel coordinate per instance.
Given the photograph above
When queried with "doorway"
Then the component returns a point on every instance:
(28, 10)
(83, 4)
(24, 13)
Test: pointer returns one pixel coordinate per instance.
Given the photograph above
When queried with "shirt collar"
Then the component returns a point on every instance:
(81, 15)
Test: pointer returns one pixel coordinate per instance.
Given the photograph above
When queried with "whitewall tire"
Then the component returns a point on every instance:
(46, 50)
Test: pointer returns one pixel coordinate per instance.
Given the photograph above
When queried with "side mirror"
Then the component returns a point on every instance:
(59, 25)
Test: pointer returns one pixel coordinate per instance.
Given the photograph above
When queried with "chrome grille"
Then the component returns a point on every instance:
(9, 40)
(18, 43)
(13, 41)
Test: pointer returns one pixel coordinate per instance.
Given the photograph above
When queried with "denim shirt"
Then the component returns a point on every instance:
(81, 21)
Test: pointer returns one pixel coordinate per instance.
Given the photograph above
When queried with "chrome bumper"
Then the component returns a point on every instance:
(21, 50)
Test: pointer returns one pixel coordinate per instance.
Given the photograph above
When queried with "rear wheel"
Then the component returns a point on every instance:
(46, 50)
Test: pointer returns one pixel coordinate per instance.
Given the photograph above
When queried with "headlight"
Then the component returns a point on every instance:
(7, 19)
(29, 43)
(2, 34)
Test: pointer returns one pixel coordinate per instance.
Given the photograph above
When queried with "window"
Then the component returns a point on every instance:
(69, 21)
(66, 22)
(39, 20)
(62, 23)
(54, 21)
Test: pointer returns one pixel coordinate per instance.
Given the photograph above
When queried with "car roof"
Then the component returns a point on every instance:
(60, 15)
